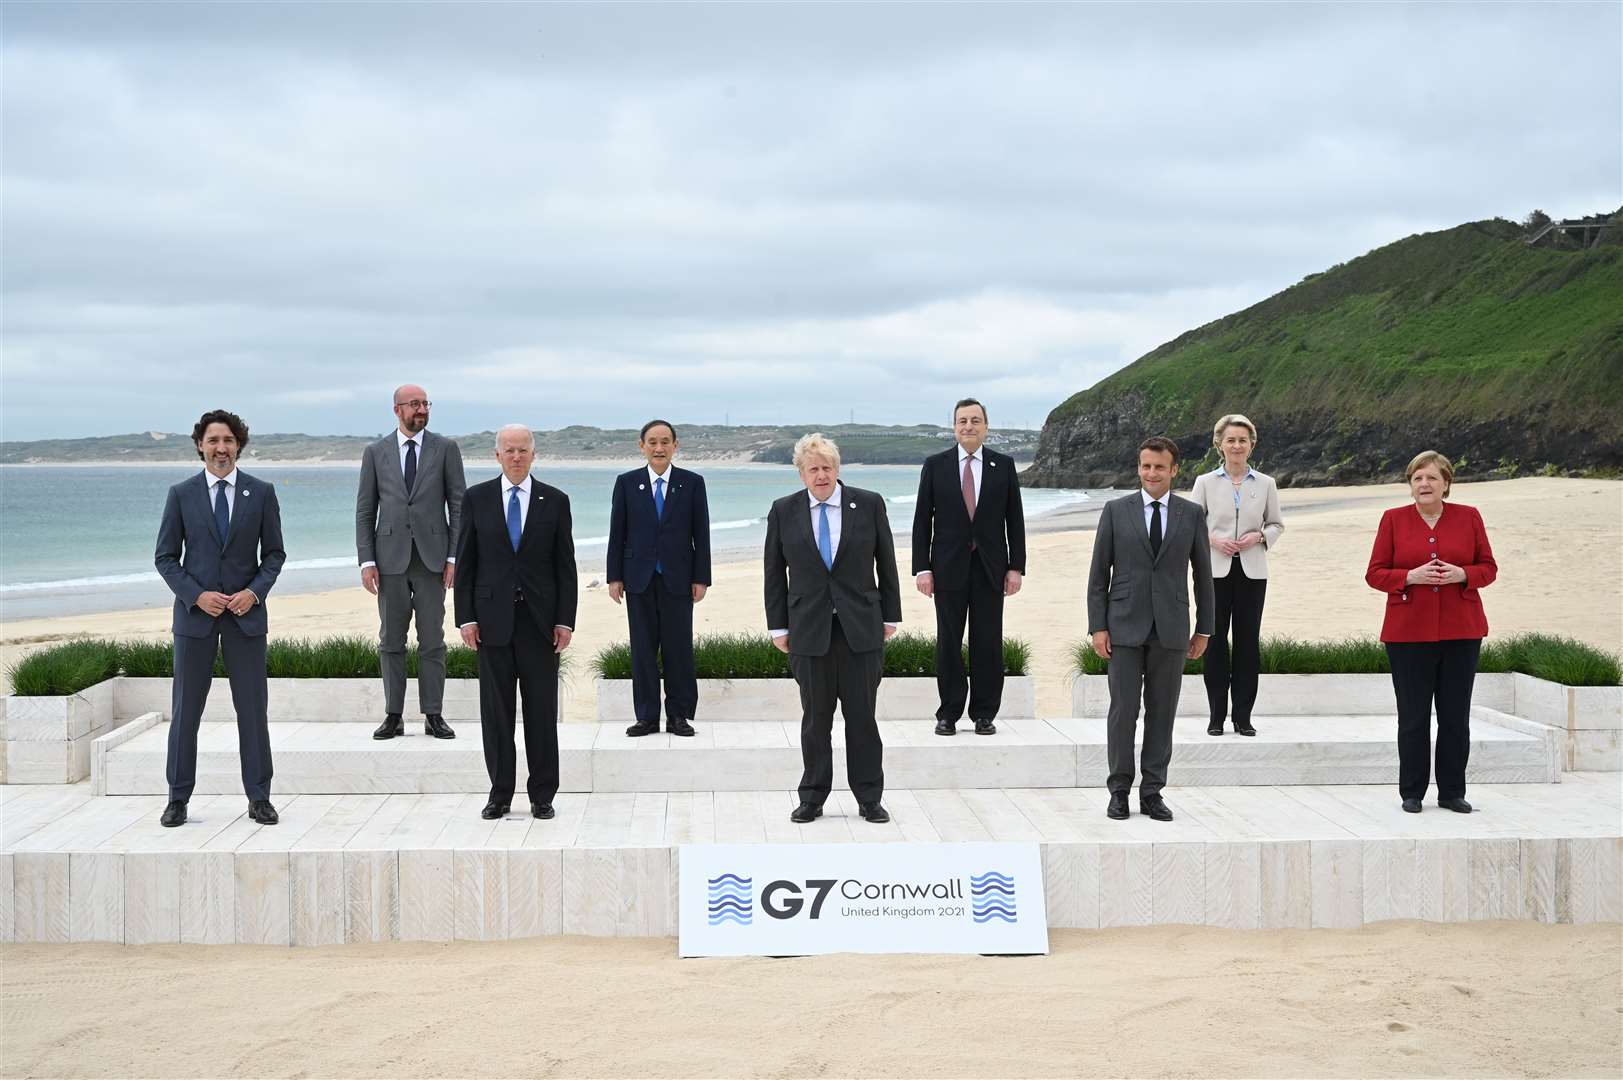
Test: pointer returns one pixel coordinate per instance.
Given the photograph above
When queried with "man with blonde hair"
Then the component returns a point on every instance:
(832, 599)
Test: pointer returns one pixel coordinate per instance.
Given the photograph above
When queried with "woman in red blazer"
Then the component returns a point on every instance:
(1431, 560)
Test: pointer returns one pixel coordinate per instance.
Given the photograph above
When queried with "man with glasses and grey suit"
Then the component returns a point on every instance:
(407, 516)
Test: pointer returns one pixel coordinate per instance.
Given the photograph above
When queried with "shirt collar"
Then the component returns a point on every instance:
(1144, 495)
(210, 479)
(1250, 473)
(401, 438)
(653, 476)
(979, 455)
(523, 485)
(833, 500)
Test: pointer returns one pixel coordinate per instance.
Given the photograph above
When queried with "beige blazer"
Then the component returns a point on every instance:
(1259, 512)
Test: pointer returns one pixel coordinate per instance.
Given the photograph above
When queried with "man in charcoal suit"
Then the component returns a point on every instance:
(832, 599)
(407, 512)
(969, 552)
(659, 563)
(219, 551)
(1146, 546)
(515, 604)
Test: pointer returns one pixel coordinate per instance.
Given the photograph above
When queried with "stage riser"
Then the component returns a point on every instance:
(336, 897)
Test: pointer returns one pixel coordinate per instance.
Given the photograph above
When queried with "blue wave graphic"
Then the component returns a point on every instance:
(731, 899)
(989, 916)
(982, 890)
(993, 897)
(991, 875)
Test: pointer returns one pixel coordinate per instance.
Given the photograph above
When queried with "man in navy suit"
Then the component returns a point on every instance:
(659, 562)
(219, 551)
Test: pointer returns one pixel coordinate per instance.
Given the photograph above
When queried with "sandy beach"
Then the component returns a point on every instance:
(1395, 999)
(1316, 585)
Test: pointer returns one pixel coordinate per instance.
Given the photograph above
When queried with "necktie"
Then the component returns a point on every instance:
(1155, 526)
(659, 513)
(515, 518)
(411, 464)
(969, 488)
(825, 540)
(222, 512)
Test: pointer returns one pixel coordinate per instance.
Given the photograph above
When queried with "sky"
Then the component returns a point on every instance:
(775, 213)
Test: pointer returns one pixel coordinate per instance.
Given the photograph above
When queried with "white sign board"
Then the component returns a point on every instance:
(804, 899)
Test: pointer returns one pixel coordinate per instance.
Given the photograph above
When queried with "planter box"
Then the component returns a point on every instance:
(1590, 719)
(308, 700)
(779, 699)
(1297, 695)
(46, 740)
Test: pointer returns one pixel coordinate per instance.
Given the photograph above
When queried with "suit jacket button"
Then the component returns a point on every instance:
(1434, 588)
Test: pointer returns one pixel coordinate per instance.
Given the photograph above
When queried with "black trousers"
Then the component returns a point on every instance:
(850, 680)
(982, 605)
(194, 674)
(662, 635)
(1424, 673)
(528, 665)
(1239, 601)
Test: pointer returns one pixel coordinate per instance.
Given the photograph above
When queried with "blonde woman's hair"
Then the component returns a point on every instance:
(816, 445)
(1432, 457)
(1229, 420)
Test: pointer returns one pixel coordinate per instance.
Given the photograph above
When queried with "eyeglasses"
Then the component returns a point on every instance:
(414, 404)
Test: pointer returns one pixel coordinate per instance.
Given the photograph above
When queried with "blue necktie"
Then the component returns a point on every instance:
(515, 519)
(659, 513)
(222, 512)
(825, 540)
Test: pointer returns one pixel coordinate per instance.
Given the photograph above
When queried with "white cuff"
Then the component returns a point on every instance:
(777, 633)
(369, 562)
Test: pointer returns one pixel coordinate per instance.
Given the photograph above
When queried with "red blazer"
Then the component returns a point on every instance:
(1431, 612)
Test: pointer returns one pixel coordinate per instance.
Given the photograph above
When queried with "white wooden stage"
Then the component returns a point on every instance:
(372, 867)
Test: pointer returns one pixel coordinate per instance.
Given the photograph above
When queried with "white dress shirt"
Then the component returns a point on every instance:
(835, 520)
(654, 478)
(230, 483)
(1148, 513)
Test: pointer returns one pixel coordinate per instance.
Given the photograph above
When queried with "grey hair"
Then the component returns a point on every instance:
(816, 445)
(529, 435)
(1233, 419)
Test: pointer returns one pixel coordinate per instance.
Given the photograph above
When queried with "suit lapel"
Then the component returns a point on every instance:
(204, 483)
(848, 519)
(537, 503)
(800, 524)
(425, 460)
(1173, 517)
(1140, 527)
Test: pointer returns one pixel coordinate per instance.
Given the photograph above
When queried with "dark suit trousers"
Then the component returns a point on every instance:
(1156, 674)
(194, 674)
(662, 636)
(1424, 672)
(851, 680)
(527, 665)
(1239, 601)
(419, 592)
(982, 604)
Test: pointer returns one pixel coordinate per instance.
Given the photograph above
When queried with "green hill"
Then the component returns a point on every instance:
(1507, 358)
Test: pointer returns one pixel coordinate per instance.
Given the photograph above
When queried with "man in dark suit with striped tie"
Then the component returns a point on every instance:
(659, 564)
(219, 551)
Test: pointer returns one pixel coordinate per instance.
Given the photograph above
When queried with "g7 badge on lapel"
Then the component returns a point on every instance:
(993, 464)
(642, 487)
(246, 493)
(851, 506)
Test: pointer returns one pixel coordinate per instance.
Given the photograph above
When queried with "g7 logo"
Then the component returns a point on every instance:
(790, 905)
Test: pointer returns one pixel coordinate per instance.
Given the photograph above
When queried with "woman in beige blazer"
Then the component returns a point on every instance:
(1242, 516)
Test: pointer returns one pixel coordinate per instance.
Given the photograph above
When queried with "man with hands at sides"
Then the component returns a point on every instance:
(1144, 551)
(515, 603)
(969, 552)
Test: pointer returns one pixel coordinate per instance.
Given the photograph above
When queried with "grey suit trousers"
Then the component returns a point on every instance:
(1155, 674)
(420, 592)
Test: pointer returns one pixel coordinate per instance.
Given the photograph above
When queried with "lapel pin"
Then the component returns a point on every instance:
(852, 506)
(993, 464)
(642, 487)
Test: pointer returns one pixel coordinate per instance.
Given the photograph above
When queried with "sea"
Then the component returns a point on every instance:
(79, 539)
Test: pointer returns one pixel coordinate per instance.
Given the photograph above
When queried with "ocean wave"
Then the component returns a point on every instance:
(152, 576)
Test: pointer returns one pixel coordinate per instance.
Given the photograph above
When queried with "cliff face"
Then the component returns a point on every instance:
(1508, 359)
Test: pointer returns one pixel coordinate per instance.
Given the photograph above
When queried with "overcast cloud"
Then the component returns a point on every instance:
(563, 214)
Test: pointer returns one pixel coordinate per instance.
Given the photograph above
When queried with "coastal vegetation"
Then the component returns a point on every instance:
(1544, 656)
(1505, 356)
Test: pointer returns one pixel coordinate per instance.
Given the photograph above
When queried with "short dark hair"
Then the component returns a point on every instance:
(969, 401)
(220, 416)
(643, 434)
(1161, 445)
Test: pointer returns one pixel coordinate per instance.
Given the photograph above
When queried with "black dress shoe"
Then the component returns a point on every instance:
(946, 727)
(173, 814)
(873, 812)
(679, 727)
(1118, 806)
(263, 812)
(1411, 806)
(1214, 727)
(805, 812)
(985, 727)
(494, 810)
(542, 810)
(1459, 806)
(1244, 727)
(1154, 807)
(392, 725)
(434, 724)
(643, 727)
